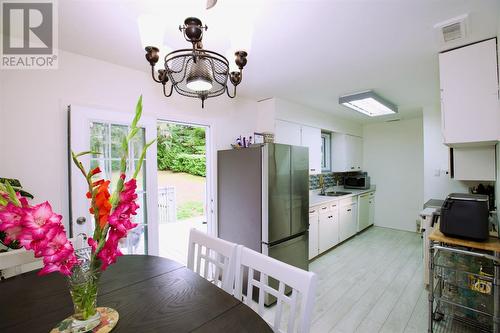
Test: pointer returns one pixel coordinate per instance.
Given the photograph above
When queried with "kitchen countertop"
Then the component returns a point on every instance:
(316, 199)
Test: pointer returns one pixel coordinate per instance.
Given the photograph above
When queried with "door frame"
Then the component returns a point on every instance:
(81, 115)
(211, 165)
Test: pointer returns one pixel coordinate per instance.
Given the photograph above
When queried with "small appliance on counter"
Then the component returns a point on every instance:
(465, 216)
(489, 190)
(357, 181)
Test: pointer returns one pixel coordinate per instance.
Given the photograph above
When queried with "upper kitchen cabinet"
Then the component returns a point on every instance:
(347, 153)
(473, 163)
(287, 133)
(311, 138)
(299, 135)
(469, 94)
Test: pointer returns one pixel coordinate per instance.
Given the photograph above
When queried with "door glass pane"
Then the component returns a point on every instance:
(138, 144)
(107, 140)
(141, 185)
(99, 140)
(118, 132)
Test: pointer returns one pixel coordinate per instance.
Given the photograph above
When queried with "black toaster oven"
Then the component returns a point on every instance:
(465, 216)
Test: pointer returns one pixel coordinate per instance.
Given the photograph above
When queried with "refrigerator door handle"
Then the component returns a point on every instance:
(286, 239)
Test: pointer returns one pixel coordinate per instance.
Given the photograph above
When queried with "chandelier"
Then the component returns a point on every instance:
(196, 72)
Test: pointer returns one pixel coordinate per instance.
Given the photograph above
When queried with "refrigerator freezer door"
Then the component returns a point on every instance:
(300, 189)
(293, 252)
(279, 189)
(239, 196)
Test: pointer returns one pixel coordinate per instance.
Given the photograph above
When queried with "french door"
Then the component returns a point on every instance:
(102, 131)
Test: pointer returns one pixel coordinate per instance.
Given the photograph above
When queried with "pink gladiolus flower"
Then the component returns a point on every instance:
(92, 243)
(64, 266)
(39, 219)
(11, 222)
(119, 224)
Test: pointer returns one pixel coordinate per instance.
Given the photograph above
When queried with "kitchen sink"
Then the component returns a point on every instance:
(336, 194)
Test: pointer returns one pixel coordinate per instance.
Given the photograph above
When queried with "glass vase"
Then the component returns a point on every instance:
(83, 287)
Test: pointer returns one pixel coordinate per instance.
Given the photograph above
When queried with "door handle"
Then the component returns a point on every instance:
(349, 210)
(81, 220)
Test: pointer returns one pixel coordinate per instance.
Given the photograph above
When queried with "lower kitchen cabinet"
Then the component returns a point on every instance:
(371, 212)
(313, 233)
(333, 222)
(366, 210)
(348, 218)
(329, 228)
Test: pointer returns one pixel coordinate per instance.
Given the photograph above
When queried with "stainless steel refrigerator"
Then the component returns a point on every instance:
(263, 200)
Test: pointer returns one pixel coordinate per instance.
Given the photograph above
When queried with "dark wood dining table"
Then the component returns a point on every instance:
(151, 294)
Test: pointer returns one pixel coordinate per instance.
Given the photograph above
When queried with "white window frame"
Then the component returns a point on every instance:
(326, 151)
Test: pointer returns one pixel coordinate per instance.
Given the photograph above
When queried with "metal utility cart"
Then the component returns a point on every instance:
(464, 284)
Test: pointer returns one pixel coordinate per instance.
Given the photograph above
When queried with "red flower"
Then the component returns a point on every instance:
(95, 171)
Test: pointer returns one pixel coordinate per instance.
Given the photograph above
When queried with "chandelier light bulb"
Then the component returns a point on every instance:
(199, 84)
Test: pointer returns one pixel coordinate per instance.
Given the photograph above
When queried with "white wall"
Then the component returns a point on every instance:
(393, 157)
(436, 159)
(33, 129)
(293, 112)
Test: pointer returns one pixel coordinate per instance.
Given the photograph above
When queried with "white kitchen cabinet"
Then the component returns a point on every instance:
(287, 133)
(371, 212)
(328, 228)
(473, 163)
(366, 210)
(313, 233)
(347, 218)
(469, 94)
(311, 138)
(347, 153)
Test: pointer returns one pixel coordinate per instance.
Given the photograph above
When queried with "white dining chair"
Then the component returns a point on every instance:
(251, 265)
(212, 258)
(16, 262)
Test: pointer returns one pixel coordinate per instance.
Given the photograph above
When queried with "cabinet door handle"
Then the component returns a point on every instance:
(352, 168)
(349, 210)
(313, 169)
(330, 216)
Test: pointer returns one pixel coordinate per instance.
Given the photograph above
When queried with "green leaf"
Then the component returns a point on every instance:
(138, 113)
(85, 153)
(143, 155)
(12, 194)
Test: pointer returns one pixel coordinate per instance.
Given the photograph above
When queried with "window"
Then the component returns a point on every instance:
(326, 149)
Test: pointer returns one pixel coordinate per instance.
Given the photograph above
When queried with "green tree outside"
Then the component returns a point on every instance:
(181, 148)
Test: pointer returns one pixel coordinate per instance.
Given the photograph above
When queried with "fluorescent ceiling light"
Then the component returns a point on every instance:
(369, 103)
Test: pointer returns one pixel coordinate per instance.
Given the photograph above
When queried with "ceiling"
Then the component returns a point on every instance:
(309, 52)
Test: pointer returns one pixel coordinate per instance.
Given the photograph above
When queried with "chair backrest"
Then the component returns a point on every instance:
(212, 258)
(18, 261)
(251, 265)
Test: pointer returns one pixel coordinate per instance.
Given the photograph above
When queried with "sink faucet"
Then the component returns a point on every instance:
(322, 185)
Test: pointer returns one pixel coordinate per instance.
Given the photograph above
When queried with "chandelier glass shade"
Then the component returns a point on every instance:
(196, 72)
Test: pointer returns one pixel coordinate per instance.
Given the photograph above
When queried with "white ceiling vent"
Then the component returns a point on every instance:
(453, 29)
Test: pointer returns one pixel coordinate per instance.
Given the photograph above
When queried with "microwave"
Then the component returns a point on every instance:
(359, 181)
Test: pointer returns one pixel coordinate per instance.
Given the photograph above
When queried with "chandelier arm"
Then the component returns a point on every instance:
(234, 92)
(165, 90)
(153, 74)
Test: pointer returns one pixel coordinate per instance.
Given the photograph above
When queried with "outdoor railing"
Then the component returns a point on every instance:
(166, 205)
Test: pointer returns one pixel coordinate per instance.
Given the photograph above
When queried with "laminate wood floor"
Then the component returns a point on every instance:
(371, 283)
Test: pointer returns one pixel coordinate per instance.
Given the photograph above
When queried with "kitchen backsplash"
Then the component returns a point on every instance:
(330, 179)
